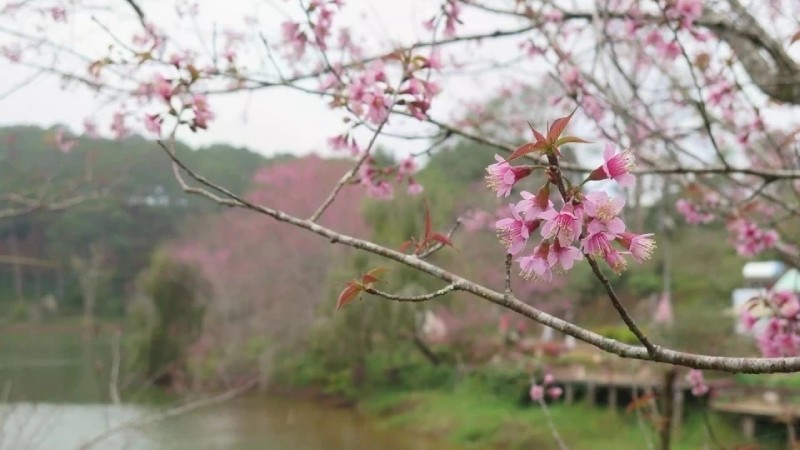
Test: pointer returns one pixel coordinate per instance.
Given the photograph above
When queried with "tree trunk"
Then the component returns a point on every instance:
(19, 289)
(667, 399)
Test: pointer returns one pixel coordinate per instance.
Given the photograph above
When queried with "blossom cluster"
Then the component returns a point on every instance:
(773, 318)
(584, 224)
(538, 392)
(749, 239)
(697, 382)
(174, 95)
(377, 179)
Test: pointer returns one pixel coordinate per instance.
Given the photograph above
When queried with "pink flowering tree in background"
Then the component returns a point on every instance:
(240, 254)
(694, 99)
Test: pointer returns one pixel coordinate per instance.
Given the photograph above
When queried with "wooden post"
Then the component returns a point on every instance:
(748, 424)
(569, 393)
(590, 393)
(677, 412)
(791, 435)
(612, 397)
(667, 400)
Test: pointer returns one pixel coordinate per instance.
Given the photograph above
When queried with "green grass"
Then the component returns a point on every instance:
(475, 418)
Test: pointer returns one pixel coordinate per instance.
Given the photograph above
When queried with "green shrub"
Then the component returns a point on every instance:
(166, 319)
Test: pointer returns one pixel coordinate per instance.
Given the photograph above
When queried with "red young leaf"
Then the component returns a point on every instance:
(350, 291)
(570, 140)
(539, 136)
(377, 271)
(372, 276)
(558, 127)
(368, 279)
(406, 245)
(442, 239)
(427, 222)
(527, 148)
(523, 149)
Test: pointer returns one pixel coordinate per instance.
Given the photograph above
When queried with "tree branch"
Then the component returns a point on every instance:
(661, 354)
(414, 299)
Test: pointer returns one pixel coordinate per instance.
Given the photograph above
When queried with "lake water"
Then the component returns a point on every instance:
(55, 393)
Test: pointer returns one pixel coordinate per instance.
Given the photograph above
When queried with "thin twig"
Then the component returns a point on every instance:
(113, 382)
(439, 245)
(168, 413)
(552, 426)
(509, 260)
(612, 295)
(349, 175)
(417, 298)
(138, 10)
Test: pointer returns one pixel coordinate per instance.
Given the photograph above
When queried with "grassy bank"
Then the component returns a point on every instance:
(474, 417)
(489, 408)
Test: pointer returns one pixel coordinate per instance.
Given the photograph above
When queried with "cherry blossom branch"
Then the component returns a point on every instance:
(776, 174)
(612, 295)
(417, 298)
(350, 173)
(660, 354)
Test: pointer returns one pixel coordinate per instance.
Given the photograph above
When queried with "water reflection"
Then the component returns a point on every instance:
(56, 391)
(264, 423)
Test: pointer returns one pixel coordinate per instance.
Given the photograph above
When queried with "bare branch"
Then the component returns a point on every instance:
(414, 299)
(168, 413)
(138, 10)
(349, 175)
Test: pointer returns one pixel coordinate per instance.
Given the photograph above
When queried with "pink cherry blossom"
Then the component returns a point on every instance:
(537, 393)
(514, 231)
(616, 166)
(695, 379)
(688, 11)
(777, 312)
(414, 188)
(749, 239)
(563, 258)
(598, 240)
(381, 190)
(152, 123)
(202, 111)
(118, 127)
(162, 87)
(554, 392)
(605, 210)
(536, 266)
(616, 260)
(691, 213)
(640, 246)
(294, 38)
(502, 176)
(532, 206)
(565, 225)
(59, 14)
